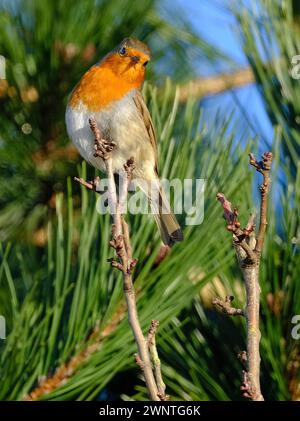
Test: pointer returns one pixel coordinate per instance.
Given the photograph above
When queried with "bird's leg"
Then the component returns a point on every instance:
(102, 147)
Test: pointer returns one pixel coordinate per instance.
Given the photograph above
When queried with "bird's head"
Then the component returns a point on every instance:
(128, 60)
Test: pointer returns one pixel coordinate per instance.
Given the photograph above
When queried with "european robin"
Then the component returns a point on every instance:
(110, 93)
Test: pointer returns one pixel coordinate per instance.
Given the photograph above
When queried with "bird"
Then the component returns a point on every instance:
(110, 93)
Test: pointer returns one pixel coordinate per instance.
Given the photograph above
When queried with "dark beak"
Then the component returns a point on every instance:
(135, 59)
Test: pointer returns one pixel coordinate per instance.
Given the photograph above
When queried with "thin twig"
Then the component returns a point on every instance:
(226, 306)
(132, 262)
(125, 263)
(156, 360)
(240, 236)
(242, 356)
(90, 185)
(249, 255)
(263, 167)
(247, 249)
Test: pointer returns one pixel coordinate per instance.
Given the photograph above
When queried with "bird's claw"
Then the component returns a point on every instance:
(129, 167)
(103, 148)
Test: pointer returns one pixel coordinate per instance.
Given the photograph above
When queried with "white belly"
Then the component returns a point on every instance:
(119, 122)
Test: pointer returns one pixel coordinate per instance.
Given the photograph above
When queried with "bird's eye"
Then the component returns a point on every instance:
(122, 51)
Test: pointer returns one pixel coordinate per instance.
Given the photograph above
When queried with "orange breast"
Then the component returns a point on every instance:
(101, 85)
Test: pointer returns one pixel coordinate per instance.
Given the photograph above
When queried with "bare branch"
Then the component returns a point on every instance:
(212, 85)
(249, 254)
(250, 225)
(226, 306)
(127, 239)
(239, 235)
(264, 168)
(139, 361)
(156, 361)
(248, 389)
(121, 243)
(242, 356)
(230, 215)
(90, 185)
(125, 263)
(247, 249)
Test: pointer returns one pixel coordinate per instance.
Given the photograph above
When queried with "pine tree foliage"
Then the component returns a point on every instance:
(60, 296)
(63, 300)
(270, 34)
(47, 46)
(210, 341)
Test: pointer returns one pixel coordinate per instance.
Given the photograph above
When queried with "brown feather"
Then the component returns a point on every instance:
(145, 115)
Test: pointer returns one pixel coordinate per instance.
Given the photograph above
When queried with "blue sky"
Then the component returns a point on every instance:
(214, 22)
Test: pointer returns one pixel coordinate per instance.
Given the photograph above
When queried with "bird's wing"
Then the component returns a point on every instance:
(145, 115)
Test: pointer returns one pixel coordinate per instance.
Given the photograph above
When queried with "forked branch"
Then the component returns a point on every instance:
(125, 263)
(248, 250)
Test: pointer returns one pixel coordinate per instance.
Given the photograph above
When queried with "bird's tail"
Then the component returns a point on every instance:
(168, 226)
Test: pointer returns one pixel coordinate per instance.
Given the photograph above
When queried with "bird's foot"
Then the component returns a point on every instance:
(129, 167)
(102, 147)
(90, 185)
